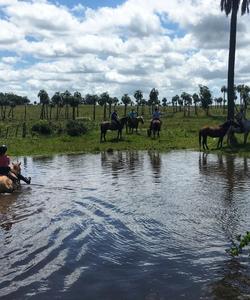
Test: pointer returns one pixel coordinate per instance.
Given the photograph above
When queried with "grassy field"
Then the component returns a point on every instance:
(178, 132)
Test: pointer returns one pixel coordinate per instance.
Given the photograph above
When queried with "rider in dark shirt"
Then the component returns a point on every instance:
(115, 118)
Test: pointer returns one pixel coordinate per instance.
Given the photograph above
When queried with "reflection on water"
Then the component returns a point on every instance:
(126, 225)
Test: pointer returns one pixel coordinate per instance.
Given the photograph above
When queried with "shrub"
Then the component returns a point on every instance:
(42, 127)
(76, 128)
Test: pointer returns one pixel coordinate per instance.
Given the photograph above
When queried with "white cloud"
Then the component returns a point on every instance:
(172, 45)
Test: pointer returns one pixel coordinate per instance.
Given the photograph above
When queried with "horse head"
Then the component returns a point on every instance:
(16, 168)
(123, 121)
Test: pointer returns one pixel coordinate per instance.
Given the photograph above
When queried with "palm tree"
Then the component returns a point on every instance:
(206, 97)
(57, 100)
(232, 6)
(110, 102)
(103, 99)
(125, 100)
(44, 100)
(153, 98)
(115, 101)
(243, 90)
(92, 100)
(66, 96)
(138, 96)
(74, 103)
(224, 91)
(187, 99)
(175, 101)
(196, 100)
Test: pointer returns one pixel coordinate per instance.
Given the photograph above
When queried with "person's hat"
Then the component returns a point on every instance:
(3, 149)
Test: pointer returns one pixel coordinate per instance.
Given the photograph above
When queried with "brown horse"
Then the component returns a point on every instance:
(216, 131)
(8, 185)
(155, 126)
(105, 126)
(133, 123)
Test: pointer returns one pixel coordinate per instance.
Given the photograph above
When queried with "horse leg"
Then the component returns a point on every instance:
(204, 143)
(245, 137)
(219, 145)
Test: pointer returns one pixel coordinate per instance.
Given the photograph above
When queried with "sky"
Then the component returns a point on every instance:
(118, 46)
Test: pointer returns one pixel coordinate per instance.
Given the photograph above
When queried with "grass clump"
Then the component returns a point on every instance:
(42, 127)
(76, 128)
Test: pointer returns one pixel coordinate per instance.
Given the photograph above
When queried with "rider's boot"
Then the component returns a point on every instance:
(25, 179)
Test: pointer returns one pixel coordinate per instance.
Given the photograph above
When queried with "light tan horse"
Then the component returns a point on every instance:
(8, 185)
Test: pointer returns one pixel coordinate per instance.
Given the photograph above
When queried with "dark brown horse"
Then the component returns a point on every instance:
(134, 122)
(216, 132)
(105, 126)
(155, 127)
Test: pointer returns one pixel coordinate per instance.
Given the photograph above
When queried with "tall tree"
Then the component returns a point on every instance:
(187, 99)
(138, 99)
(206, 97)
(57, 100)
(44, 100)
(196, 100)
(232, 6)
(66, 96)
(125, 100)
(74, 103)
(153, 98)
(175, 101)
(224, 91)
(103, 100)
(92, 99)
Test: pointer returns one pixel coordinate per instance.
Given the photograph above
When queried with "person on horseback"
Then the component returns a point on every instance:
(132, 114)
(156, 115)
(5, 168)
(115, 118)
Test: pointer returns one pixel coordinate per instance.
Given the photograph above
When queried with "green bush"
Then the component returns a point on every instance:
(76, 128)
(42, 127)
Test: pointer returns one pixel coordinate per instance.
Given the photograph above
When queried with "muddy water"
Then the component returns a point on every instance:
(126, 225)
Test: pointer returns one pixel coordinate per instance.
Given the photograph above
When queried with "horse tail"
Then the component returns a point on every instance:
(200, 139)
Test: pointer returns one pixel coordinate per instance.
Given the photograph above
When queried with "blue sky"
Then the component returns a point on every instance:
(90, 3)
(117, 46)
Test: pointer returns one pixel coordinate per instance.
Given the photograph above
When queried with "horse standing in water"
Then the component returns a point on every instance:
(134, 122)
(105, 126)
(155, 126)
(216, 131)
(8, 185)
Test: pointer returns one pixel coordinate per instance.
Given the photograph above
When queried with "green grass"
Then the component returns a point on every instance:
(178, 132)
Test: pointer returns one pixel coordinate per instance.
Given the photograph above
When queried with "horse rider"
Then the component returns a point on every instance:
(156, 116)
(115, 118)
(132, 114)
(5, 168)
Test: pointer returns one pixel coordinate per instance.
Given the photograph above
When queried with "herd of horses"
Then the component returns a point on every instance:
(229, 127)
(131, 125)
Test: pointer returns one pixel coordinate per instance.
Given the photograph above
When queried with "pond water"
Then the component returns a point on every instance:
(126, 225)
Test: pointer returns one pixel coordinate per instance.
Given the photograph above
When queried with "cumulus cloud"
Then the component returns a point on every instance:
(170, 45)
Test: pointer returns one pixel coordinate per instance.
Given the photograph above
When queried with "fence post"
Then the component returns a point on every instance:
(24, 130)
(17, 130)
